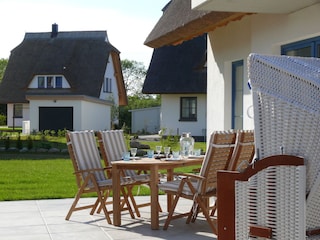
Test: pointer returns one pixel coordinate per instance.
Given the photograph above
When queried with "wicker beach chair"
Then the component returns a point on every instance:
(286, 103)
(265, 201)
(202, 186)
(91, 176)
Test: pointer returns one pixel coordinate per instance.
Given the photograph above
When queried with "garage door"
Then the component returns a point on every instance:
(55, 118)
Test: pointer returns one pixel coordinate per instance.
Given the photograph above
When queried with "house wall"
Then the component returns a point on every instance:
(86, 115)
(17, 122)
(259, 33)
(109, 73)
(145, 120)
(170, 114)
(95, 116)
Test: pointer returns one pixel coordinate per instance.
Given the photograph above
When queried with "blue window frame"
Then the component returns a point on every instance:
(305, 48)
(237, 95)
(59, 82)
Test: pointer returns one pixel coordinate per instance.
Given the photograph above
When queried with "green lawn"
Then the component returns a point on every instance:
(41, 176)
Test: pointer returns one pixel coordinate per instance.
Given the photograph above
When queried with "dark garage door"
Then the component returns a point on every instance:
(55, 118)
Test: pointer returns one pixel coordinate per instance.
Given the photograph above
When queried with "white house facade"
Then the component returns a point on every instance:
(258, 33)
(65, 80)
(171, 115)
(234, 30)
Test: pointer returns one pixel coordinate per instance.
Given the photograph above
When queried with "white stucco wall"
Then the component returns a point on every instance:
(170, 114)
(17, 121)
(109, 73)
(260, 33)
(86, 115)
(145, 119)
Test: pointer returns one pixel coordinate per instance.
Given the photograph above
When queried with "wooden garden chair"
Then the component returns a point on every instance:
(242, 155)
(200, 187)
(90, 175)
(112, 146)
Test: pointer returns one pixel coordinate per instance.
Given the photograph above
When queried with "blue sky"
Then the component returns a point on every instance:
(127, 22)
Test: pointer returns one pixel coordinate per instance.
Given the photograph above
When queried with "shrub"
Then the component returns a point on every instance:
(3, 120)
(19, 142)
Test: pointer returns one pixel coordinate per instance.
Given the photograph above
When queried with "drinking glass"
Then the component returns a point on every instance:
(158, 150)
(126, 156)
(133, 152)
(166, 151)
(150, 153)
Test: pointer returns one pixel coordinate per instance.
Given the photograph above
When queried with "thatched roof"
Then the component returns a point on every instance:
(178, 69)
(180, 23)
(81, 57)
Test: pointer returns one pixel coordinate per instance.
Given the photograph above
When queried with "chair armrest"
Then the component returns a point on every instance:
(189, 175)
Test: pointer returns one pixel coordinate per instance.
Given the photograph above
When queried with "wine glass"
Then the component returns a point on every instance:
(133, 152)
(158, 150)
(166, 151)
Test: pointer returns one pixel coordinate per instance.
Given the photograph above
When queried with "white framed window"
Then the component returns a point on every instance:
(107, 85)
(41, 82)
(188, 109)
(49, 81)
(18, 110)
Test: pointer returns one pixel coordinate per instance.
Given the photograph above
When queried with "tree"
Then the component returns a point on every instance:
(134, 74)
(3, 107)
(3, 65)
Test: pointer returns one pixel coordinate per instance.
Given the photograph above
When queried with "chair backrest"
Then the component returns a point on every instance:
(112, 146)
(84, 154)
(244, 150)
(218, 155)
(286, 104)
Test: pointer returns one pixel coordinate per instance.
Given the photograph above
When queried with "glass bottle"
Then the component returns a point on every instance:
(186, 144)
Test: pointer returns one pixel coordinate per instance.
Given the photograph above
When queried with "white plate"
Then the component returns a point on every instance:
(134, 158)
(194, 157)
(173, 159)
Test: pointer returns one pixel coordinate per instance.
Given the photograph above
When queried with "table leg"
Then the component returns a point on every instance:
(154, 179)
(116, 195)
(169, 196)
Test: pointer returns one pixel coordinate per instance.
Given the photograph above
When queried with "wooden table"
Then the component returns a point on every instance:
(152, 165)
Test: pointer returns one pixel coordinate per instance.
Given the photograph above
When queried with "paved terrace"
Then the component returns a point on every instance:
(45, 220)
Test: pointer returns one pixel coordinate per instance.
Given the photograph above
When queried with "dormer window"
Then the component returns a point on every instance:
(107, 85)
(49, 81)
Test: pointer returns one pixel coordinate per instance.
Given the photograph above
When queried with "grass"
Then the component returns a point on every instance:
(25, 176)
(34, 175)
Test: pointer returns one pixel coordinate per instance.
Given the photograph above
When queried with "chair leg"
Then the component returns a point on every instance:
(126, 200)
(73, 206)
(205, 211)
(134, 203)
(101, 199)
(193, 213)
(170, 214)
(95, 206)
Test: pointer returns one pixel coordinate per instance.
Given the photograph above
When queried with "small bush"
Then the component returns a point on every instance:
(19, 143)
(3, 120)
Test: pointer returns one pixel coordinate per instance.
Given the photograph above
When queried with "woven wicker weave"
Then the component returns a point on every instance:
(272, 198)
(286, 101)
